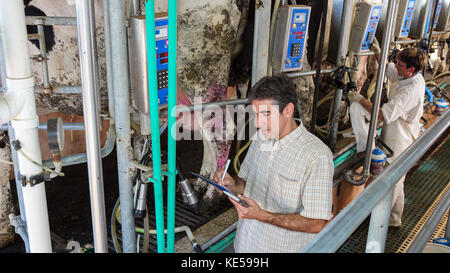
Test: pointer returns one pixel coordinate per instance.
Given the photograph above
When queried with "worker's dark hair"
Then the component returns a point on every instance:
(279, 88)
(413, 57)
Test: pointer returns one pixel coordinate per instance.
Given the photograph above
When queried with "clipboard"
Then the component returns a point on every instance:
(223, 189)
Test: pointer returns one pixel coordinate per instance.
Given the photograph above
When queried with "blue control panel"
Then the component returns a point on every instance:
(162, 64)
(408, 18)
(298, 29)
(372, 27)
(436, 17)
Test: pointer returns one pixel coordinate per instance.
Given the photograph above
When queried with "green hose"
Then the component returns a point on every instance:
(172, 36)
(154, 122)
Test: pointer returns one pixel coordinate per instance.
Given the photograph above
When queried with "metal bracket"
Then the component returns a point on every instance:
(34, 179)
(349, 176)
(39, 58)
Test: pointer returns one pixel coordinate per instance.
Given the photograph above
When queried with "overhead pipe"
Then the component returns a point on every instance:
(24, 120)
(154, 116)
(121, 86)
(68, 126)
(90, 84)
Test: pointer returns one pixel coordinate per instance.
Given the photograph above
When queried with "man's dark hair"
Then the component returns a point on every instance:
(412, 57)
(279, 88)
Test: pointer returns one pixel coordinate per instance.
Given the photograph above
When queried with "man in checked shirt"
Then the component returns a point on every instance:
(286, 177)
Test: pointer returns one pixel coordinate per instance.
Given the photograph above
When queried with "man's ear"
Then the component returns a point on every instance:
(412, 69)
(289, 110)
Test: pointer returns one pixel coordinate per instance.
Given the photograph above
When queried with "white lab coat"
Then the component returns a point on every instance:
(401, 127)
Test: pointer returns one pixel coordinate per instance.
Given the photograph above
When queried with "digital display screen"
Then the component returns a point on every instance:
(163, 61)
(411, 4)
(161, 33)
(376, 12)
(300, 18)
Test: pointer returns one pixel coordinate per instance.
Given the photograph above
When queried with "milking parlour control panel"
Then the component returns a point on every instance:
(162, 57)
(365, 25)
(405, 14)
(435, 19)
(290, 34)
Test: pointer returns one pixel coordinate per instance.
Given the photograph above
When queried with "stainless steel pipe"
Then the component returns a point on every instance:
(344, 38)
(121, 86)
(379, 84)
(89, 82)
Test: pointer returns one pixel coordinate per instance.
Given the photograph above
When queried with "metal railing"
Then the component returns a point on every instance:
(348, 220)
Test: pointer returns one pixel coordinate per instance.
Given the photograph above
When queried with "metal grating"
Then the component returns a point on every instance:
(440, 229)
(184, 216)
(410, 239)
(422, 188)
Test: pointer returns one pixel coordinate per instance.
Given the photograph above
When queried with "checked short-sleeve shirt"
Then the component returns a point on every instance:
(292, 175)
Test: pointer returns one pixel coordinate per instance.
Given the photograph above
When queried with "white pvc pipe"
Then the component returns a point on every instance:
(19, 106)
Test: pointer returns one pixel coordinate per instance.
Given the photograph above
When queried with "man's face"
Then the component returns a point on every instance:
(403, 71)
(268, 118)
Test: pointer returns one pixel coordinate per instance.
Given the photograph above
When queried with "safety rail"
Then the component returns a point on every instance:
(347, 221)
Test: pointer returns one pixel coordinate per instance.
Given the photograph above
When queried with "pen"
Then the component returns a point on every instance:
(226, 168)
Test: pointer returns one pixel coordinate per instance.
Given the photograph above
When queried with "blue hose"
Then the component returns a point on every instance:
(429, 94)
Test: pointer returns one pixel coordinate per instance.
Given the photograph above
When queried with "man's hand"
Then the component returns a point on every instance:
(354, 96)
(294, 222)
(228, 181)
(252, 212)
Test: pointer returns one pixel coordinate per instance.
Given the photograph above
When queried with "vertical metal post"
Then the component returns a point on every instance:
(379, 220)
(379, 224)
(121, 85)
(261, 34)
(344, 38)
(334, 122)
(430, 27)
(43, 52)
(379, 84)
(318, 68)
(87, 50)
(346, 24)
(109, 85)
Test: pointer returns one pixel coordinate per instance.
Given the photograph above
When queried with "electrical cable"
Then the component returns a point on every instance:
(40, 165)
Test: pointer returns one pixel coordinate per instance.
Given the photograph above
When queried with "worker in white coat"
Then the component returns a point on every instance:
(401, 114)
